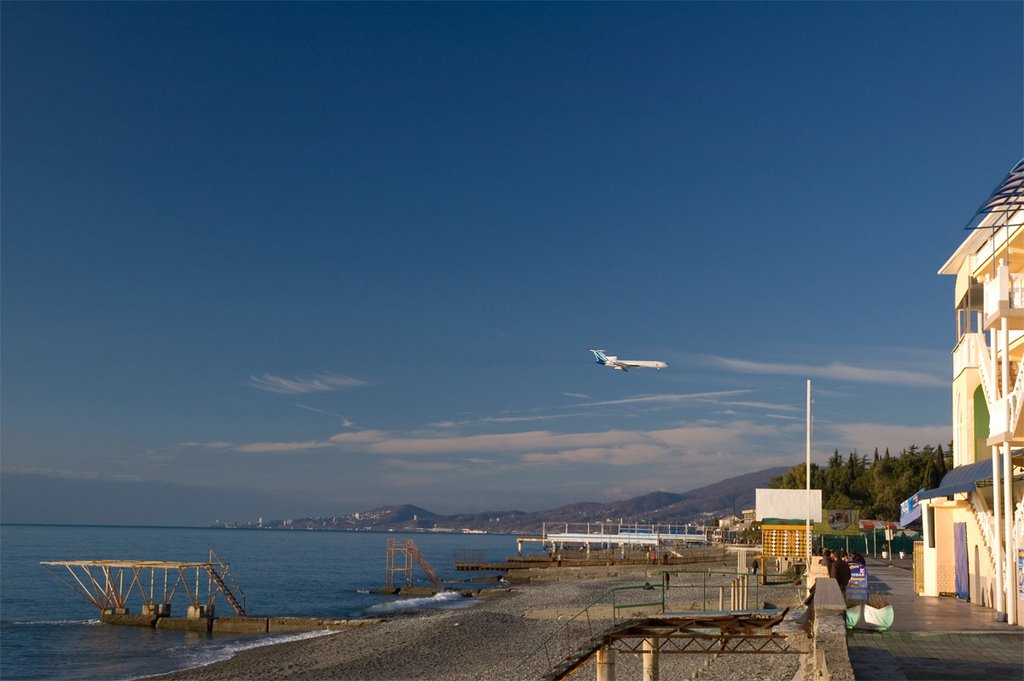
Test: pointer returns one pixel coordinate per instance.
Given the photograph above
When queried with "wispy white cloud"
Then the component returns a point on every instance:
(524, 419)
(580, 396)
(344, 421)
(667, 397)
(771, 406)
(611, 447)
(77, 475)
(210, 445)
(835, 370)
(864, 437)
(274, 447)
(630, 454)
(506, 443)
(298, 385)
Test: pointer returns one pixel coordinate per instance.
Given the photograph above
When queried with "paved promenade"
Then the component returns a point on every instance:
(933, 639)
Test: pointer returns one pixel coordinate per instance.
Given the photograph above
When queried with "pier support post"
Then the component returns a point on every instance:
(198, 612)
(606, 663)
(651, 662)
(721, 598)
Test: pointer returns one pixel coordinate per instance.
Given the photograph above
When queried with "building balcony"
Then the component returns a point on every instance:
(1004, 299)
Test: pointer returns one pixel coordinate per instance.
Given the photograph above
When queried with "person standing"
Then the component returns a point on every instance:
(827, 558)
(840, 571)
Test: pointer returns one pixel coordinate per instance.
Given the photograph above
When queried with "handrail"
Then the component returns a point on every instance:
(610, 597)
(1016, 398)
(983, 516)
(544, 644)
(219, 578)
(660, 588)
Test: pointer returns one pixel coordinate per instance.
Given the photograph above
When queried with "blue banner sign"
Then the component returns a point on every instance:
(857, 589)
(907, 506)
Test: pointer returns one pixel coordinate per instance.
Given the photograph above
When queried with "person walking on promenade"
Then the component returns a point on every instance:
(840, 571)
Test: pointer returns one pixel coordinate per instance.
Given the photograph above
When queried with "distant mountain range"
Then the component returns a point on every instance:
(705, 504)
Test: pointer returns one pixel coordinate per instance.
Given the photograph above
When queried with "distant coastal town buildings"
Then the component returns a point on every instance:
(974, 519)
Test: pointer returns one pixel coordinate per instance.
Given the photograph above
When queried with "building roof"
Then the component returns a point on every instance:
(960, 479)
(1005, 200)
(995, 212)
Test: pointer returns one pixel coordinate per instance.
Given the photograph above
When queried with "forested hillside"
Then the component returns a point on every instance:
(874, 485)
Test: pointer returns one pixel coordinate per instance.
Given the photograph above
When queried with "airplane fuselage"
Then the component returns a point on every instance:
(613, 362)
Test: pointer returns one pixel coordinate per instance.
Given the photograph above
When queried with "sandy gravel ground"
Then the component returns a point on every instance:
(498, 638)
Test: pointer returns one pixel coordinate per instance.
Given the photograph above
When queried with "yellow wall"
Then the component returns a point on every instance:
(944, 557)
(981, 579)
(970, 419)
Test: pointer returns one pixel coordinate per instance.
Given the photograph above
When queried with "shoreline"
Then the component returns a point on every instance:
(501, 637)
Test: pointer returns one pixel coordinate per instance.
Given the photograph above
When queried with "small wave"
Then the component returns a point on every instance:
(213, 653)
(51, 623)
(442, 600)
(239, 646)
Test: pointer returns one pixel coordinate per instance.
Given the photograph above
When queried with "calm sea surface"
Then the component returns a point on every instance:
(47, 631)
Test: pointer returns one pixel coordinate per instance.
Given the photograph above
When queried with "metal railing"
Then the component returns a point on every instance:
(701, 588)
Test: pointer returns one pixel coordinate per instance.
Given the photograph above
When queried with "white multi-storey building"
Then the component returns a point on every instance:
(974, 521)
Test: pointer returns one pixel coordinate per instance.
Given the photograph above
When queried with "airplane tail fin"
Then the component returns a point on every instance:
(599, 356)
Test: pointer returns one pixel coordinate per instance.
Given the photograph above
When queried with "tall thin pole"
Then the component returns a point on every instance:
(1010, 580)
(997, 557)
(808, 471)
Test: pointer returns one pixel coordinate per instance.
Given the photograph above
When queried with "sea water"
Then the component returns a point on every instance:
(47, 631)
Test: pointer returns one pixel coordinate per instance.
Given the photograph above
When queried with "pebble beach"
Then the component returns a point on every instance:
(500, 637)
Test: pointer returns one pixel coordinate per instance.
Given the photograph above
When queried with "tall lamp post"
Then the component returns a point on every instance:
(808, 471)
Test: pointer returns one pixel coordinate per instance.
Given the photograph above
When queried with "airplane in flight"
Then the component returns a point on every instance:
(613, 362)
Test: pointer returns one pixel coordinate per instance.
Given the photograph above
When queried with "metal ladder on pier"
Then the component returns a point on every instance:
(408, 553)
(428, 569)
(218, 579)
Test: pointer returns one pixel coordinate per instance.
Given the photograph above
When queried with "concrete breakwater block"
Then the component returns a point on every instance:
(240, 625)
(237, 624)
(129, 620)
(184, 624)
(277, 625)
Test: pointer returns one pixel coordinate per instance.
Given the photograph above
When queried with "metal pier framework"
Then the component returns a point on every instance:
(399, 561)
(111, 585)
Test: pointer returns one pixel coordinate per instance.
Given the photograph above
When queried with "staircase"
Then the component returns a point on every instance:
(218, 579)
(979, 357)
(991, 381)
(1016, 395)
(407, 553)
(428, 569)
(984, 518)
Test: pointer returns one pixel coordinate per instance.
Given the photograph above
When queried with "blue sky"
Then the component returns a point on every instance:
(354, 254)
